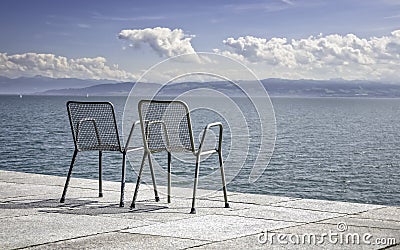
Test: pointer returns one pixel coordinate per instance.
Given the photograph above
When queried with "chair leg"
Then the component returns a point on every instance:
(221, 166)
(62, 200)
(196, 177)
(169, 177)
(138, 181)
(100, 174)
(121, 201)
(157, 198)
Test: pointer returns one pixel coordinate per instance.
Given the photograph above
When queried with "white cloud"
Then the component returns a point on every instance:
(321, 57)
(164, 41)
(50, 65)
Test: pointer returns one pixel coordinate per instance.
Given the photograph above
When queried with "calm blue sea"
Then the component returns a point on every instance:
(343, 149)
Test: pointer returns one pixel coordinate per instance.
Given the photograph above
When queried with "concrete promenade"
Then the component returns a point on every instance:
(32, 217)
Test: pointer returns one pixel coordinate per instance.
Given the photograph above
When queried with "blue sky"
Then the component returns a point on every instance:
(88, 34)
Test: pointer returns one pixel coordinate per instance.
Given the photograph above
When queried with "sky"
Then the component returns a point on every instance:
(119, 40)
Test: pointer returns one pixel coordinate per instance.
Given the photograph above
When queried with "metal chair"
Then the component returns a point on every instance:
(94, 128)
(166, 126)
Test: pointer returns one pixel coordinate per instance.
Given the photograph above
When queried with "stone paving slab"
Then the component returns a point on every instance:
(32, 217)
(11, 213)
(252, 242)
(15, 190)
(285, 214)
(364, 222)
(117, 240)
(48, 180)
(245, 242)
(329, 206)
(211, 227)
(41, 228)
(385, 213)
(343, 236)
(259, 200)
(292, 238)
(179, 192)
(176, 210)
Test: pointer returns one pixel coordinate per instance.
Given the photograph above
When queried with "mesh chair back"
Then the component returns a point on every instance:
(166, 125)
(94, 126)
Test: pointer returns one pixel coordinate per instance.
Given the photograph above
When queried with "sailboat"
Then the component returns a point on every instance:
(20, 96)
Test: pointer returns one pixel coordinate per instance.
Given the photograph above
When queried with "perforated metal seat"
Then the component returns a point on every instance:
(166, 126)
(94, 128)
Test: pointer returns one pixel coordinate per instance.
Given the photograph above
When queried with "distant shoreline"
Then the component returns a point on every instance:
(275, 87)
(271, 96)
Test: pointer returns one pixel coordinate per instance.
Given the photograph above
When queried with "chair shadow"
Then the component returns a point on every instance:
(77, 207)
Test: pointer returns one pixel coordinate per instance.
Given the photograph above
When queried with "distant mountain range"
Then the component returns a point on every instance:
(276, 87)
(330, 88)
(38, 84)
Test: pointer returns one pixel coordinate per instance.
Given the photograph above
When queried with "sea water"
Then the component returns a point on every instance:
(344, 149)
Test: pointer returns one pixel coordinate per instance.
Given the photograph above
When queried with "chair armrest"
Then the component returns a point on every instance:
(210, 125)
(127, 148)
(214, 124)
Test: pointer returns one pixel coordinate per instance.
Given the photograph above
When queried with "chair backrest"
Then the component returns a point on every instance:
(93, 126)
(166, 125)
